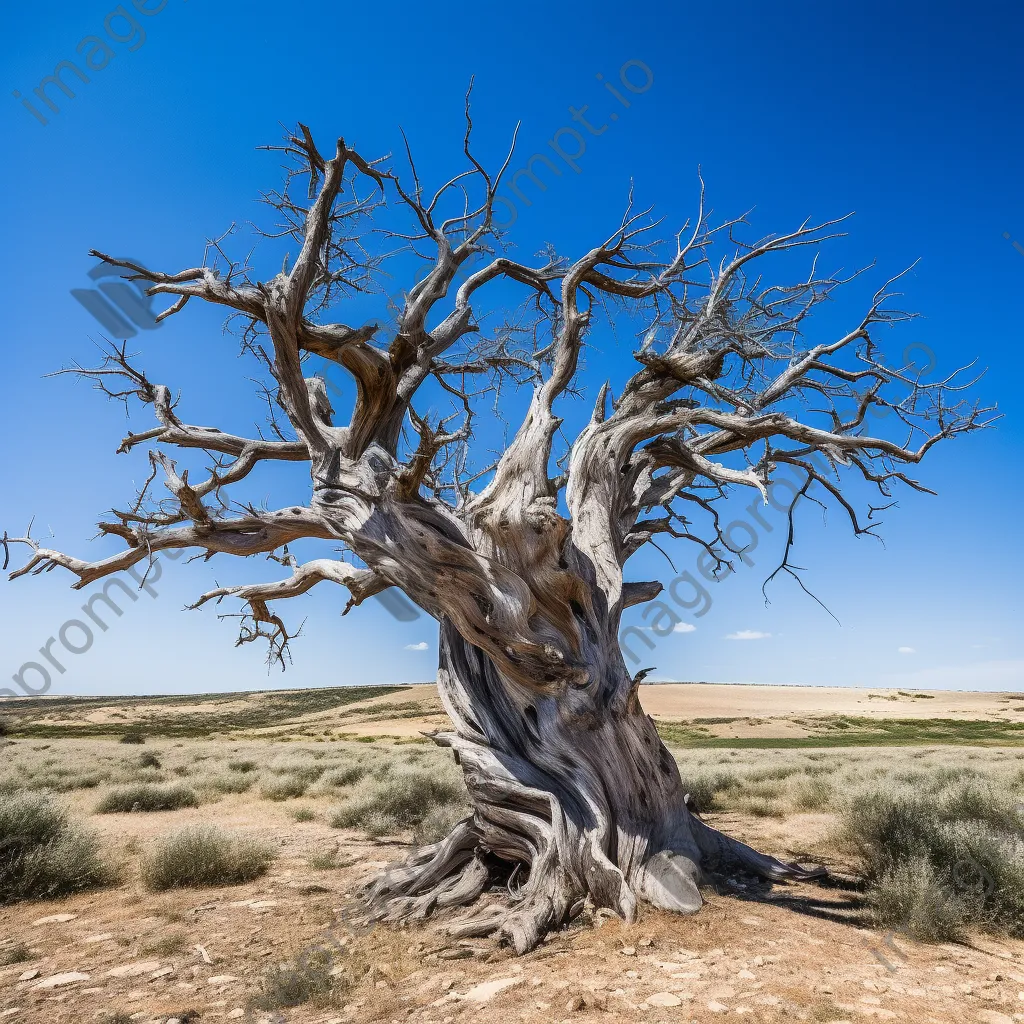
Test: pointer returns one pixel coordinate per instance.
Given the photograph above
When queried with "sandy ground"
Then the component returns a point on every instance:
(768, 711)
(769, 954)
(693, 700)
(764, 954)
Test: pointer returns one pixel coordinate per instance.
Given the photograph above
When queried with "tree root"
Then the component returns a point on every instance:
(456, 872)
(722, 853)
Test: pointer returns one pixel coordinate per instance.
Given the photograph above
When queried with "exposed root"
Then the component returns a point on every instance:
(720, 852)
(445, 874)
(456, 872)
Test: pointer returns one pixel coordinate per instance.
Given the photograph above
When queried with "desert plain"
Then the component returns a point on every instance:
(334, 784)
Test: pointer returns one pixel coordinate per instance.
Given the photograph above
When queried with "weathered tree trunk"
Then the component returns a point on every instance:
(573, 799)
(522, 559)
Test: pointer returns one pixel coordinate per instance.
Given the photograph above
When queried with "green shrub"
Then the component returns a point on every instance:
(704, 789)
(282, 787)
(917, 898)
(149, 760)
(145, 796)
(133, 736)
(813, 793)
(941, 858)
(296, 768)
(401, 800)
(303, 814)
(202, 856)
(229, 782)
(242, 766)
(347, 775)
(762, 807)
(307, 980)
(43, 853)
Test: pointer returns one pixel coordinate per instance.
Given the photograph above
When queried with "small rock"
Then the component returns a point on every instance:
(55, 919)
(236, 1013)
(746, 975)
(663, 999)
(489, 989)
(134, 970)
(576, 1004)
(646, 943)
(30, 975)
(447, 985)
(716, 1007)
(628, 951)
(993, 1017)
(105, 937)
(162, 973)
(221, 979)
(56, 980)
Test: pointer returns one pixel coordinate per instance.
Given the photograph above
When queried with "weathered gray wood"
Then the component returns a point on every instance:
(522, 561)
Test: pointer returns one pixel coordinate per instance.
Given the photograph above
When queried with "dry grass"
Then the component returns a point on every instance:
(201, 856)
(400, 799)
(308, 979)
(941, 855)
(44, 853)
(147, 797)
(14, 952)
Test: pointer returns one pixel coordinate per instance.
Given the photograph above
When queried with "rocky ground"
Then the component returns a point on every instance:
(768, 954)
(761, 953)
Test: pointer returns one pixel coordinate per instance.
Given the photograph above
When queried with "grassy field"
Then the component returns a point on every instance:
(198, 866)
(191, 716)
(851, 731)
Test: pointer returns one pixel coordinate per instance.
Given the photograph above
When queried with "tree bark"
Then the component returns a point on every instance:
(574, 800)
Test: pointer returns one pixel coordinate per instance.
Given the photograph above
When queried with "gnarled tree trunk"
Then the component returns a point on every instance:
(574, 799)
(522, 559)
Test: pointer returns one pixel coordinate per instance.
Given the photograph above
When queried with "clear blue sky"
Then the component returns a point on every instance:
(908, 114)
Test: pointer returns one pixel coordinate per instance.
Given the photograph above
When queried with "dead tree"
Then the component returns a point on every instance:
(521, 559)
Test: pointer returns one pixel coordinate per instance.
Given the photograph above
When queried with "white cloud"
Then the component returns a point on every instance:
(747, 634)
(421, 646)
(906, 650)
(679, 627)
